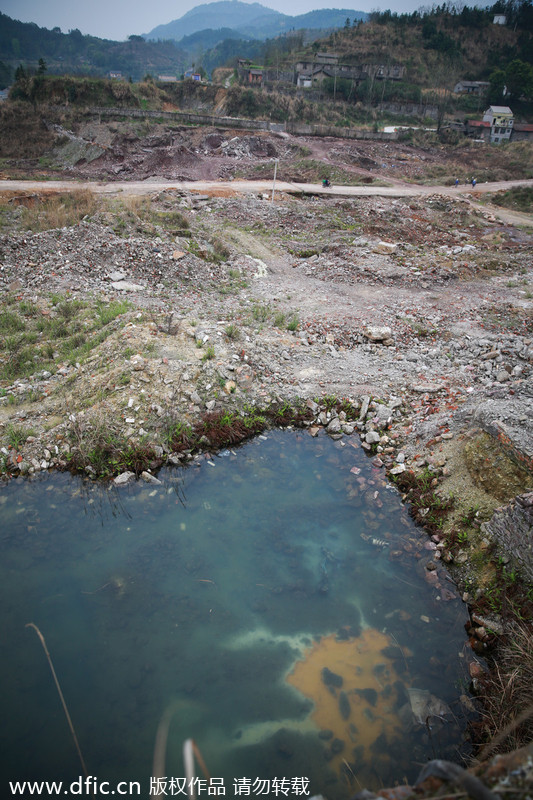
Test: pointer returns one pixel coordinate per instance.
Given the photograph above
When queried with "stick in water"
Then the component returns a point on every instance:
(58, 687)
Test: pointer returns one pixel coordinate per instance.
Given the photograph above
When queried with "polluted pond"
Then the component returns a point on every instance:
(274, 601)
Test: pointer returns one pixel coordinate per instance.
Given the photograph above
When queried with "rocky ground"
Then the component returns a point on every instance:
(423, 307)
(403, 323)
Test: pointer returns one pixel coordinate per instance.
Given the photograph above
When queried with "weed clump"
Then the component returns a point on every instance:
(506, 691)
(426, 506)
(32, 337)
(100, 451)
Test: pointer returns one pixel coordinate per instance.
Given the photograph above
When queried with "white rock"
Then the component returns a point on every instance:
(377, 334)
(149, 478)
(124, 478)
(127, 286)
(385, 247)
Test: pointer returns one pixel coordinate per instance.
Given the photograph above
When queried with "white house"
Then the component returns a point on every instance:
(501, 120)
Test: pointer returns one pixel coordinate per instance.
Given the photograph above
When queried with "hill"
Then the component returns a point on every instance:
(26, 43)
(252, 19)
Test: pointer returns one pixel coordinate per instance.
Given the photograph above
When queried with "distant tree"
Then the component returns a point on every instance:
(19, 90)
(497, 83)
(42, 66)
(519, 79)
(20, 73)
(347, 23)
(6, 75)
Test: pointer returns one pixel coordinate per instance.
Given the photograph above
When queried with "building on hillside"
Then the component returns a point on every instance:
(117, 76)
(478, 129)
(501, 120)
(384, 72)
(312, 73)
(522, 131)
(167, 79)
(249, 73)
(255, 76)
(327, 58)
(499, 19)
(304, 79)
(471, 87)
(322, 72)
(191, 75)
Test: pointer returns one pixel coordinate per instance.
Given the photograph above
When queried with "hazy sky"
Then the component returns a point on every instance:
(117, 19)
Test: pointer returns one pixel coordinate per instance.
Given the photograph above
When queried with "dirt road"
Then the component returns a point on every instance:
(236, 188)
(246, 187)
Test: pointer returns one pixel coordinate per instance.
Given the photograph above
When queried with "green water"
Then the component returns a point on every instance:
(203, 592)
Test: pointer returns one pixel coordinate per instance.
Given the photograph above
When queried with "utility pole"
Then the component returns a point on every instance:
(276, 160)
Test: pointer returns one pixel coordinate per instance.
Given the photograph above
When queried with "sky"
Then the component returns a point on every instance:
(119, 19)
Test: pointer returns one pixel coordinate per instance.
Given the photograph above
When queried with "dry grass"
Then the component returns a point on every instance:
(507, 694)
(22, 132)
(51, 211)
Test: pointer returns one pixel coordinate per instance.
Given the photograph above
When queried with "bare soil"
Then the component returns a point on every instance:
(452, 284)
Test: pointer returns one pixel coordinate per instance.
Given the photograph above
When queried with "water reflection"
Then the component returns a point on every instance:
(232, 592)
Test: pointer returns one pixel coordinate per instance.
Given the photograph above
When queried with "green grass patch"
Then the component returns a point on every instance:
(519, 198)
(17, 435)
(32, 338)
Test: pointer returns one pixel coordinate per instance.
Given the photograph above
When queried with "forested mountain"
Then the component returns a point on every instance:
(252, 19)
(223, 28)
(25, 43)
(435, 48)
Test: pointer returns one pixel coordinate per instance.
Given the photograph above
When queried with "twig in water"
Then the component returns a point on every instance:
(190, 750)
(99, 588)
(160, 747)
(401, 651)
(348, 767)
(58, 687)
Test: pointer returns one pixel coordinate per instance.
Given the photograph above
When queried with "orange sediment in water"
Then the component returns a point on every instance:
(354, 688)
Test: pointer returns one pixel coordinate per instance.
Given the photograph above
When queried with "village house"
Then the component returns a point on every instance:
(313, 72)
(304, 69)
(384, 72)
(471, 87)
(479, 129)
(501, 120)
(522, 131)
(321, 72)
(191, 75)
(249, 73)
(326, 65)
